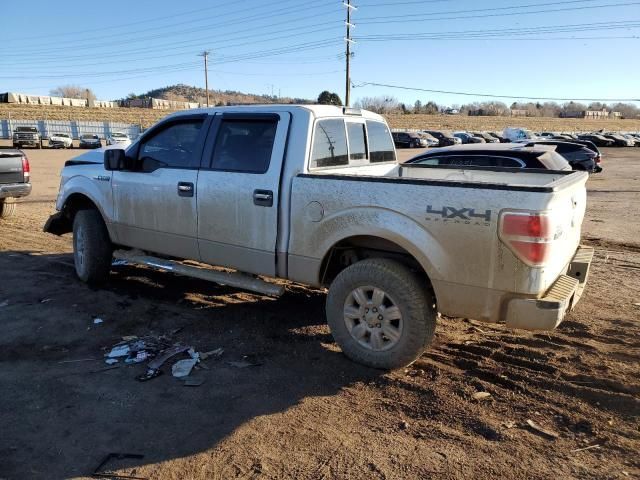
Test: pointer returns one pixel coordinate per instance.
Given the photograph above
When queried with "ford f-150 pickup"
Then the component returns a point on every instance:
(15, 176)
(314, 195)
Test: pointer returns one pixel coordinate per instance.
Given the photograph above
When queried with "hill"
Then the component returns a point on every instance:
(187, 93)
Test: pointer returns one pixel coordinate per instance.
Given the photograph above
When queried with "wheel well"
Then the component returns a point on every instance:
(73, 204)
(353, 249)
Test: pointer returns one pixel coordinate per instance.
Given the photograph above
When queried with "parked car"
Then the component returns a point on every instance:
(633, 138)
(445, 138)
(486, 137)
(514, 134)
(60, 140)
(283, 191)
(511, 155)
(500, 138)
(26, 136)
(431, 140)
(619, 140)
(597, 140)
(15, 180)
(466, 138)
(90, 141)
(408, 140)
(547, 134)
(119, 138)
(579, 156)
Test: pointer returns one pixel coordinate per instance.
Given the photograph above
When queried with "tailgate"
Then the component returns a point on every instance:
(11, 168)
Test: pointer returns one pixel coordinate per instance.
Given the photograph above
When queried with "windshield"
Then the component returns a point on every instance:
(27, 129)
(93, 137)
(121, 135)
(61, 135)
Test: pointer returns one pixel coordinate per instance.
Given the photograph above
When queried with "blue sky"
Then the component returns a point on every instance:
(569, 49)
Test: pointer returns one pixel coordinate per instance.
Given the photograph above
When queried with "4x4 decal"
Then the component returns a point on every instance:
(459, 215)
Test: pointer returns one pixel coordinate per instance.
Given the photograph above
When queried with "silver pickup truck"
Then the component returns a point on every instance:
(314, 195)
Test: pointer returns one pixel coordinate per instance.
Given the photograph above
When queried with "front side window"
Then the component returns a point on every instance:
(380, 143)
(173, 146)
(357, 142)
(244, 145)
(329, 144)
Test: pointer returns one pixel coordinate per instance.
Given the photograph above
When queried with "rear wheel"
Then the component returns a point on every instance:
(380, 313)
(92, 249)
(7, 207)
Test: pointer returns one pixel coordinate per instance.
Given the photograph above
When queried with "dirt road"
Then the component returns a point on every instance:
(306, 411)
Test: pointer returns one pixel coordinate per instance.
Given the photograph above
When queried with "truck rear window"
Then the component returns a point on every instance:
(380, 143)
(329, 144)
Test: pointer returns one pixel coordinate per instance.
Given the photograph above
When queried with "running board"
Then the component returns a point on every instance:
(231, 279)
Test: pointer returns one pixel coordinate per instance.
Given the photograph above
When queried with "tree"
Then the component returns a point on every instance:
(417, 107)
(329, 98)
(73, 91)
(431, 108)
(379, 104)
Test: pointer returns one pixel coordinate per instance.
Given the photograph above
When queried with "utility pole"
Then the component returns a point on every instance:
(348, 42)
(205, 54)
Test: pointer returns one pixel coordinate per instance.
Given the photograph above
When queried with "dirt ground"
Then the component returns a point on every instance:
(307, 411)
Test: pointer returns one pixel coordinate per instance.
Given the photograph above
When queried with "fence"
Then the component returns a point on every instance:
(70, 127)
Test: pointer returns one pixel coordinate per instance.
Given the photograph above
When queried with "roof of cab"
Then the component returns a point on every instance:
(318, 111)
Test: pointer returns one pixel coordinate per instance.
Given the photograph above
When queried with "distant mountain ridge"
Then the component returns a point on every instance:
(187, 93)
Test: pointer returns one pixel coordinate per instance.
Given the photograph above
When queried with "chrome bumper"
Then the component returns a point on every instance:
(14, 190)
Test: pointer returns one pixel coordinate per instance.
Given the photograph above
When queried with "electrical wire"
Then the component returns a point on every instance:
(489, 95)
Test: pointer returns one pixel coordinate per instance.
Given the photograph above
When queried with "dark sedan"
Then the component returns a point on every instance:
(580, 157)
(509, 155)
(408, 140)
(445, 138)
(598, 140)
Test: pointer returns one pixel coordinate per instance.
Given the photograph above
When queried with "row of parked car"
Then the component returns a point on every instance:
(30, 137)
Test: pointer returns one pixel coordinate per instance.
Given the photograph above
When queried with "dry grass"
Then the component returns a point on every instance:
(455, 122)
(147, 117)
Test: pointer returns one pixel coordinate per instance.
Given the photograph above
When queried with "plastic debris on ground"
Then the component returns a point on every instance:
(157, 350)
(97, 320)
(247, 361)
(5, 303)
(182, 368)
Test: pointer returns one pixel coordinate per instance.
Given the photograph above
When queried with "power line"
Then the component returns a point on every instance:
(415, 18)
(85, 44)
(489, 95)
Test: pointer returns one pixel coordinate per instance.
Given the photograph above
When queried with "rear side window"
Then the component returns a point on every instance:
(173, 146)
(244, 145)
(380, 143)
(329, 144)
(357, 142)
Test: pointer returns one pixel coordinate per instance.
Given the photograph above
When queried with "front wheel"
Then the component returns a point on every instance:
(92, 249)
(381, 314)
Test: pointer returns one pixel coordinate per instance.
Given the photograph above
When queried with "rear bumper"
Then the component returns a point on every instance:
(14, 190)
(547, 312)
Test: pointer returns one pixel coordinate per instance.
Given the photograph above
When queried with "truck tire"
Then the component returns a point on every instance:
(7, 208)
(380, 313)
(92, 249)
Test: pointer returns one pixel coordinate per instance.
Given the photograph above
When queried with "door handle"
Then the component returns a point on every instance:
(185, 189)
(263, 198)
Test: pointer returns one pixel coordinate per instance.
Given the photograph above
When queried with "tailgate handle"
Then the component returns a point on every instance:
(185, 189)
(263, 198)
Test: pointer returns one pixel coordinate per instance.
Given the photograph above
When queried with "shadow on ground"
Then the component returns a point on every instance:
(62, 412)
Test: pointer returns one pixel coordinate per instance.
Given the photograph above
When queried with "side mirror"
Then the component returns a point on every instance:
(116, 159)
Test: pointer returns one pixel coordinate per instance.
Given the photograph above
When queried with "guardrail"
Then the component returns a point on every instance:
(75, 128)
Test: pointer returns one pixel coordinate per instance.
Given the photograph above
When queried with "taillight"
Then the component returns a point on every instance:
(528, 235)
(26, 169)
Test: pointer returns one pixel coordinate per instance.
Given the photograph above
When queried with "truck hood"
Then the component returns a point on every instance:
(94, 156)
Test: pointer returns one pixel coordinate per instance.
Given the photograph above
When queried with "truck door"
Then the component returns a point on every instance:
(238, 191)
(155, 203)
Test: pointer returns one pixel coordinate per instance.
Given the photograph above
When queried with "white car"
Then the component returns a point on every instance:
(60, 140)
(119, 138)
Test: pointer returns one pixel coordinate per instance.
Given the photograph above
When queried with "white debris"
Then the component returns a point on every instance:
(182, 368)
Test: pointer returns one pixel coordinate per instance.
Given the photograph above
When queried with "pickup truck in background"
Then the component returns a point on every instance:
(314, 195)
(26, 136)
(15, 180)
